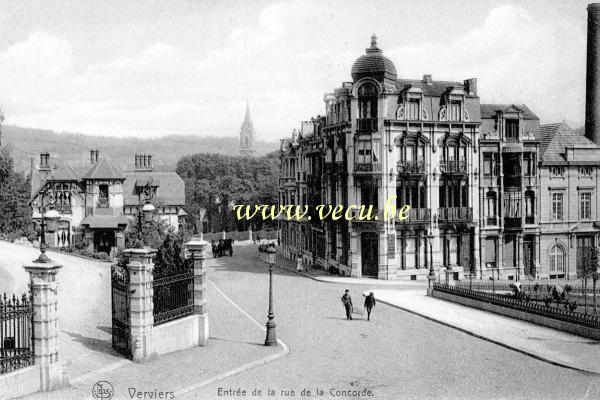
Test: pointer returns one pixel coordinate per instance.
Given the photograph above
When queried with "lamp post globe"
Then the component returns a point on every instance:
(271, 338)
(148, 211)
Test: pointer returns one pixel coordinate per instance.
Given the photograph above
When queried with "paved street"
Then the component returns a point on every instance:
(396, 355)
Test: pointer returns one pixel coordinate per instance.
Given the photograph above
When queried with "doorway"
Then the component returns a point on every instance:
(369, 254)
(104, 240)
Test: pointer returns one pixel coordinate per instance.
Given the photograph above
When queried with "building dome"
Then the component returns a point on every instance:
(373, 64)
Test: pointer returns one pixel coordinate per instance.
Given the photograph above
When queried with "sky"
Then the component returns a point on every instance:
(151, 68)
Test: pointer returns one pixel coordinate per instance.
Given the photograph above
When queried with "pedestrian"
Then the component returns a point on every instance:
(347, 301)
(369, 304)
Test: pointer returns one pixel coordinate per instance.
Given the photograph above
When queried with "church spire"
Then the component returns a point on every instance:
(247, 134)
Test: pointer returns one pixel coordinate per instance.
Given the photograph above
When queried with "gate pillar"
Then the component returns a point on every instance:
(43, 284)
(141, 292)
(197, 248)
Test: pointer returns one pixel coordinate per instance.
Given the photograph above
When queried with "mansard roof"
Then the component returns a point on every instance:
(104, 169)
(489, 110)
(435, 88)
(555, 138)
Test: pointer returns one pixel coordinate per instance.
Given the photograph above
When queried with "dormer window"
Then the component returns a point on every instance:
(414, 108)
(512, 129)
(455, 110)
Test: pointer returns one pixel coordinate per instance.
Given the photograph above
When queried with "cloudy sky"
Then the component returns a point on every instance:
(149, 68)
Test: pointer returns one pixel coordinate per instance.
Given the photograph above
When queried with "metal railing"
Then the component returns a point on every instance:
(456, 214)
(411, 167)
(453, 167)
(560, 314)
(416, 216)
(366, 125)
(173, 291)
(16, 333)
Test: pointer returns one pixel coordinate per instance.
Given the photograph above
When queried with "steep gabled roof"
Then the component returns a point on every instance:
(63, 173)
(104, 169)
(556, 137)
(489, 110)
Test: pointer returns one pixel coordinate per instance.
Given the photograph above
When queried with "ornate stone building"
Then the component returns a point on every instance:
(477, 177)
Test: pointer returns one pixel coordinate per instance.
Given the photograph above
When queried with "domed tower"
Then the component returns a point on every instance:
(247, 135)
(374, 64)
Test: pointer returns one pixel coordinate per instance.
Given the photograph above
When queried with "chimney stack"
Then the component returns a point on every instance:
(592, 85)
(44, 161)
(427, 79)
(143, 162)
(471, 86)
(94, 155)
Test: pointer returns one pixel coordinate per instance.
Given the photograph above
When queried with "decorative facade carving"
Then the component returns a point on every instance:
(400, 115)
(443, 114)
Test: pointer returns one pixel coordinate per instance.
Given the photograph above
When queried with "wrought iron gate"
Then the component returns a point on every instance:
(120, 308)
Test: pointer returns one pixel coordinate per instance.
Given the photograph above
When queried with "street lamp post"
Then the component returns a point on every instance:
(47, 198)
(271, 339)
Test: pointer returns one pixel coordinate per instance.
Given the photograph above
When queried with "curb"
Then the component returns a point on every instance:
(243, 368)
(497, 342)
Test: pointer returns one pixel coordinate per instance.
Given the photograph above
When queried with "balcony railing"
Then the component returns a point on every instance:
(367, 167)
(416, 216)
(491, 221)
(366, 125)
(453, 167)
(456, 214)
(512, 222)
(411, 167)
(530, 219)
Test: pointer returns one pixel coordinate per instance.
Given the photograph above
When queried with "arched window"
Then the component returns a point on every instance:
(367, 101)
(557, 259)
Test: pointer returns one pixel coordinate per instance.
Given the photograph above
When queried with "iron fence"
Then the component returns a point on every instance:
(560, 314)
(16, 333)
(173, 291)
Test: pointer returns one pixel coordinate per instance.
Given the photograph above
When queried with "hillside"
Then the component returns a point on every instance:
(74, 147)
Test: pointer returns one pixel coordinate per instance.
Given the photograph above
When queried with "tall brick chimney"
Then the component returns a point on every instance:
(592, 84)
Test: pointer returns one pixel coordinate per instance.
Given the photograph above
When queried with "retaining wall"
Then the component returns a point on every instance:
(525, 316)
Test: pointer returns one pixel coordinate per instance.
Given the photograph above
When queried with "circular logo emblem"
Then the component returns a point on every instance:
(102, 390)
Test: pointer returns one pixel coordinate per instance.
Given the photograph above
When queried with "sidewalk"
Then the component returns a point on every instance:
(235, 345)
(550, 345)
(319, 274)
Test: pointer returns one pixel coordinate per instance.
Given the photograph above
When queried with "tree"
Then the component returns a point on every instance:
(215, 182)
(15, 213)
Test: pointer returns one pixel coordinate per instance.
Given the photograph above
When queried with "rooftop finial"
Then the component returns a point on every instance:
(373, 41)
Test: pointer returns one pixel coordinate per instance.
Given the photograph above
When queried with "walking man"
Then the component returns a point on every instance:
(369, 304)
(347, 301)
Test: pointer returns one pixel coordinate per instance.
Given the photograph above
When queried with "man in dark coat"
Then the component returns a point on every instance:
(347, 301)
(369, 304)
